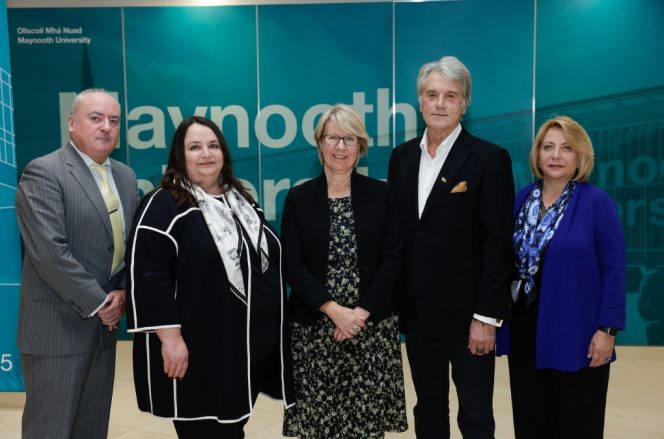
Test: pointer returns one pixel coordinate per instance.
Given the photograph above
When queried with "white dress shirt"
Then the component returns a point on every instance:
(430, 167)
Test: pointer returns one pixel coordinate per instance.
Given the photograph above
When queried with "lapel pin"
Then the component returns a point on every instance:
(443, 179)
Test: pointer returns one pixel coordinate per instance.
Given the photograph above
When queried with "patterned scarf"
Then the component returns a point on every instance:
(532, 236)
(222, 217)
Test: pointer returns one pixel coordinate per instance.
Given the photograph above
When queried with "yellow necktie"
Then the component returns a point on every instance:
(113, 206)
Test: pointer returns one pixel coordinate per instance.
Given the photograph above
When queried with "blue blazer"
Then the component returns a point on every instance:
(583, 280)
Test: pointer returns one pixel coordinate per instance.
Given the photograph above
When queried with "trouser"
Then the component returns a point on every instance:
(548, 403)
(68, 397)
(473, 377)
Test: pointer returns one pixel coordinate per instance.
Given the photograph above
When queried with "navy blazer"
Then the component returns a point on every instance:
(305, 235)
(458, 254)
(583, 280)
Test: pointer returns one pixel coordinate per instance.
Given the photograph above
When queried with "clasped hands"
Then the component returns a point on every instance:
(348, 322)
(112, 311)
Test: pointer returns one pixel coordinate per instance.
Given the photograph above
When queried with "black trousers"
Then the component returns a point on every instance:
(548, 403)
(472, 375)
(210, 428)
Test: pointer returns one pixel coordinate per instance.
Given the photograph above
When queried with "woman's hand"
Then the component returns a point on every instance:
(361, 313)
(340, 335)
(174, 352)
(347, 323)
(601, 348)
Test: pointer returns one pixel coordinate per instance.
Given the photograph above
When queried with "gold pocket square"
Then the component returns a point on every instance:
(460, 187)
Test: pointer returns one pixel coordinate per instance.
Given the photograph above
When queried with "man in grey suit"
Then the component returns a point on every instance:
(74, 207)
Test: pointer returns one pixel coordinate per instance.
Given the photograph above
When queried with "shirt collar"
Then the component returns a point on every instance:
(445, 144)
(86, 158)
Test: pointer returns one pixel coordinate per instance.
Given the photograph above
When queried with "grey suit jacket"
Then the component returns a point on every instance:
(68, 241)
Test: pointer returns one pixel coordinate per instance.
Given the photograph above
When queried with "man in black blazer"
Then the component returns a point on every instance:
(456, 194)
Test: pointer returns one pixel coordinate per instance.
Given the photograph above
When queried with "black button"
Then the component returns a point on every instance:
(419, 234)
(110, 248)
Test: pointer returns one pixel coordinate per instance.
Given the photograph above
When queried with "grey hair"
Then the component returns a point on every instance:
(449, 67)
(79, 97)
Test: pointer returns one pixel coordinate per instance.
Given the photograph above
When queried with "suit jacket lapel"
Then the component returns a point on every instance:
(412, 179)
(83, 175)
(458, 155)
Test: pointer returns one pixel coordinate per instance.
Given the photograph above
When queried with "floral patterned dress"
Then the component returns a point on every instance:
(352, 389)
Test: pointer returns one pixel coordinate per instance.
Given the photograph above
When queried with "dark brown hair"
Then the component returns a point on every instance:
(176, 179)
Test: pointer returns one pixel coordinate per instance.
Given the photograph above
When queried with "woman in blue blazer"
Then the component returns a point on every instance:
(342, 257)
(568, 293)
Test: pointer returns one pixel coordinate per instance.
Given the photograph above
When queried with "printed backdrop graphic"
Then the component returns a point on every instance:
(11, 378)
(610, 78)
(265, 73)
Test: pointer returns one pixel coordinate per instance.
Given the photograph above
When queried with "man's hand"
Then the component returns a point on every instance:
(112, 311)
(482, 338)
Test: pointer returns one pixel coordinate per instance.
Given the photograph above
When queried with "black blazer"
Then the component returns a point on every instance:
(305, 235)
(458, 256)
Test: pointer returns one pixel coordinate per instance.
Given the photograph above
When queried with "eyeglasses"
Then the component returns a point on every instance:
(333, 140)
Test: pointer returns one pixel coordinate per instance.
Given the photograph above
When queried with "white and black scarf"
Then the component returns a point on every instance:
(224, 216)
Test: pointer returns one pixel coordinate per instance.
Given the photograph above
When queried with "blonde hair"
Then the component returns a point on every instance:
(577, 138)
(347, 120)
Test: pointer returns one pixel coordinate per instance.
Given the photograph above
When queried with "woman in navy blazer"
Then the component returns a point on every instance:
(568, 293)
(342, 257)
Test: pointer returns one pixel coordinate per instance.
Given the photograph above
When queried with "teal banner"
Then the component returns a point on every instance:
(610, 77)
(205, 64)
(265, 73)
(11, 378)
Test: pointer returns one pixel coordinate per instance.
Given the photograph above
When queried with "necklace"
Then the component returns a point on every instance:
(542, 210)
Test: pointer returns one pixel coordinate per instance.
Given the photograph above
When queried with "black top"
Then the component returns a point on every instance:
(263, 338)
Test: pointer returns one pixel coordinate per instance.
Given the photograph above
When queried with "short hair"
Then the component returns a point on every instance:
(349, 121)
(176, 178)
(577, 138)
(449, 67)
(79, 98)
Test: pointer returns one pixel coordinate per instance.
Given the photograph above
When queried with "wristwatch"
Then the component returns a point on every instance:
(609, 330)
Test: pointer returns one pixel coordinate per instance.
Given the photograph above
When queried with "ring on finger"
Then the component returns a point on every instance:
(356, 328)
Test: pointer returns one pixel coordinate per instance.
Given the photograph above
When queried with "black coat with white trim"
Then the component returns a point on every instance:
(176, 278)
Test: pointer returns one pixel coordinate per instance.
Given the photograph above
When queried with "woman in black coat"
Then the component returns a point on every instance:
(206, 294)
